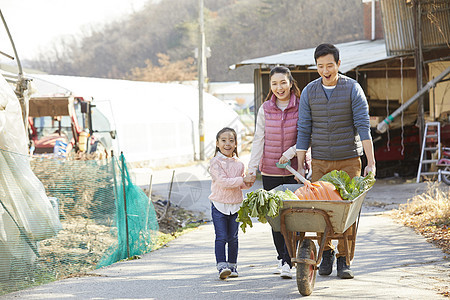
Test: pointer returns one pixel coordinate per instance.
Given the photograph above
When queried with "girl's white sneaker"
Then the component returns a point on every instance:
(224, 273)
(234, 272)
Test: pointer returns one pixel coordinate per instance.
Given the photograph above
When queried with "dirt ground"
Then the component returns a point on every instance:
(172, 218)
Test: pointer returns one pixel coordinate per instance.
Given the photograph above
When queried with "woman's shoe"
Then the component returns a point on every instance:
(278, 268)
(286, 271)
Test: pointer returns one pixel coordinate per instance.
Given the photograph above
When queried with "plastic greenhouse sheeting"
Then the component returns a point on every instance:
(156, 123)
(26, 213)
(61, 217)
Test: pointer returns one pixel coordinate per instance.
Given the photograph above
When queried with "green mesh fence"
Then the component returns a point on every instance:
(141, 223)
(60, 218)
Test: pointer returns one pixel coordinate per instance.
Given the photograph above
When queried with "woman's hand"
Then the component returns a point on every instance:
(249, 179)
(283, 160)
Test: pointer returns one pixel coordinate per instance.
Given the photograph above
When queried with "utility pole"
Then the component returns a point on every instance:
(201, 78)
(418, 58)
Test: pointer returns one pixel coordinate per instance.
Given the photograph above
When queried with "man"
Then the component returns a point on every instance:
(334, 119)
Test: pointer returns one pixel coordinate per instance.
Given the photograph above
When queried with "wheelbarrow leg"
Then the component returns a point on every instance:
(288, 236)
(349, 243)
(354, 232)
(346, 246)
(322, 240)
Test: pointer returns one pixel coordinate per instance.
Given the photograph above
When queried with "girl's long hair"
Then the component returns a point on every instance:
(225, 129)
(287, 72)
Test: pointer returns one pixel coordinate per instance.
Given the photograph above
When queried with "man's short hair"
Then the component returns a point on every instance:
(325, 49)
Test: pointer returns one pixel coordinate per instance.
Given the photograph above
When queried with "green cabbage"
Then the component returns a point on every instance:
(290, 195)
(349, 188)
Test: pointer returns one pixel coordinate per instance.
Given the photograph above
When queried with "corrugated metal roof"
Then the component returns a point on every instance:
(398, 26)
(352, 55)
(398, 23)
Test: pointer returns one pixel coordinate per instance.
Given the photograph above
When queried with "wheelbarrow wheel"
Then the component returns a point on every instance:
(306, 272)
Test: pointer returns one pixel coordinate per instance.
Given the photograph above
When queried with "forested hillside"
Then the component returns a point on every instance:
(235, 30)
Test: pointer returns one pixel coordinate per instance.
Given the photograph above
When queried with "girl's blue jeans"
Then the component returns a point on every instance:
(226, 229)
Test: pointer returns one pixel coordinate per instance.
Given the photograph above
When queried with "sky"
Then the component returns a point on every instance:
(36, 25)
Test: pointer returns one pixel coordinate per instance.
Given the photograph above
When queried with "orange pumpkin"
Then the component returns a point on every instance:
(319, 190)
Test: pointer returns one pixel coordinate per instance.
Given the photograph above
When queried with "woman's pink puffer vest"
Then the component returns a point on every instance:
(280, 134)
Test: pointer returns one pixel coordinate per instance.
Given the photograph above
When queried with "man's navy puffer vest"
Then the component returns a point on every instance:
(279, 135)
(333, 136)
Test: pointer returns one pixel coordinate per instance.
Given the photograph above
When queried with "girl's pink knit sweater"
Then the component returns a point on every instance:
(227, 179)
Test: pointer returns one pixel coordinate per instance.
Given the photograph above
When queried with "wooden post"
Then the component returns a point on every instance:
(201, 79)
(417, 13)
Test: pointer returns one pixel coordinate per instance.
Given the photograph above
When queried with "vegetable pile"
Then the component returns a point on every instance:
(349, 188)
(319, 190)
(335, 185)
(262, 203)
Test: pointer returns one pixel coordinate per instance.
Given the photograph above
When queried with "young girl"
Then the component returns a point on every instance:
(227, 174)
(275, 141)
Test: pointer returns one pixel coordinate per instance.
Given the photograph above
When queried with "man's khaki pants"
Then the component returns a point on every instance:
(352, 167)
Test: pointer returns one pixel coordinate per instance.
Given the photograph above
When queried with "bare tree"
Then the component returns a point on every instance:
(166, 71)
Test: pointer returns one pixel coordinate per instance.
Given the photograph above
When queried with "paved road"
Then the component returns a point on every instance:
(391, 261)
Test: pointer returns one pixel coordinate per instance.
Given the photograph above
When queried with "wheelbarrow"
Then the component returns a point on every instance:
(333, 219)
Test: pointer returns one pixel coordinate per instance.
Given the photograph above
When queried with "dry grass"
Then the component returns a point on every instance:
(429, 215)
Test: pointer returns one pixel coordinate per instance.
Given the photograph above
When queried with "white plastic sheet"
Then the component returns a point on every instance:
(26, 213)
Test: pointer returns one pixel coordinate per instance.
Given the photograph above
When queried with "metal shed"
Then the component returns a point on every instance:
(355, 57)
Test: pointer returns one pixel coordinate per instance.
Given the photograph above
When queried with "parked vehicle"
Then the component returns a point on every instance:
(397, 154)
(62, 124)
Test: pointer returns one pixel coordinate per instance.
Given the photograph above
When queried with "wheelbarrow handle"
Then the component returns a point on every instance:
(297, 174)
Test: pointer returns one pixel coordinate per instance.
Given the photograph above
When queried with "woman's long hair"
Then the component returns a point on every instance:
(287, 72)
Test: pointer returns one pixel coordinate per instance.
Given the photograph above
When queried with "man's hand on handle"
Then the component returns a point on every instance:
(368, 150)
(301, 157)
(369, 168)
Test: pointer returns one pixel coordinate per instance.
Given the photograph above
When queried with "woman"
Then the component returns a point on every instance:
(275, 142)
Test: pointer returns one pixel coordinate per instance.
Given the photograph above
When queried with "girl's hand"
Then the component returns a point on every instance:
(249, 179)
(283, 160)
